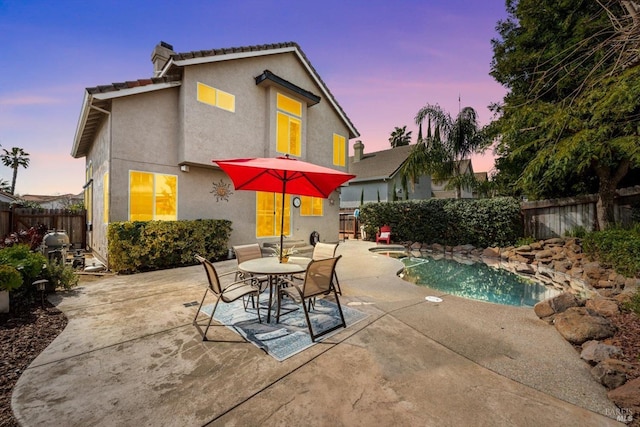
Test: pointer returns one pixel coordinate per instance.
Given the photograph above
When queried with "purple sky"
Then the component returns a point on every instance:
(382, 60)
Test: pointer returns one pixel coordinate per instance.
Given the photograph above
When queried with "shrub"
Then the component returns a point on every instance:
(140, 246)
(617, 248)
(633, 304)
(578, 231)
(28, 263)
(10, 278)
(482, 222)
(60, 275)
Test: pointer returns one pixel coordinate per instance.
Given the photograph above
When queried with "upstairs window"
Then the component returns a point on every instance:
(216, 97)
(289, 126)
(339, 150)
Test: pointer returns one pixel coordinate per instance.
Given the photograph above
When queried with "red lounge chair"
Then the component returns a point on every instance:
(384, 235)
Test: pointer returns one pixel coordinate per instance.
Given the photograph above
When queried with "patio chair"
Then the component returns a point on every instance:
(225, 293)
(246, 253)
(384, 235)
(324, 251)
(317, 282)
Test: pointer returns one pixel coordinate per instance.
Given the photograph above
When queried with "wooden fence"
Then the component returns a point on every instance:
(544, 219)
(17, 219)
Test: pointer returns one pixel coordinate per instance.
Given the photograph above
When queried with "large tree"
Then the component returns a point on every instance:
(400, 137)
(14, 159)
(570, 120)
(448, 141)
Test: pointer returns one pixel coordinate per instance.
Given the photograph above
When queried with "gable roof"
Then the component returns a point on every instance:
(380, 164)
(96, 99)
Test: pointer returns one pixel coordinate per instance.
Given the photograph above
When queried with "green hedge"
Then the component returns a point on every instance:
(480, 222)
(618, 248)
(153, 245)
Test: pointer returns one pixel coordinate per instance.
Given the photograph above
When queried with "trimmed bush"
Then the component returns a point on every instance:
(480, 222)
(153, 245)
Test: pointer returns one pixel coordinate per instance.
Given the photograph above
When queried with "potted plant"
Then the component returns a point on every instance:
(10, 279)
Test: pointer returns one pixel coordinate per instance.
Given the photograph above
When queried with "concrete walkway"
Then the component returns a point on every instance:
(131, 357)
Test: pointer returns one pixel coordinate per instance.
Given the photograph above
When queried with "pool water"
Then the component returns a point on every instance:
(475, 281)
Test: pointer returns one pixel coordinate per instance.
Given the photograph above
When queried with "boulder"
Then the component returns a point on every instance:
(416, 246)
(556, 304)
(602, 284)
(595, 351)
(491, 253)
(611, 373)
(578, 324)
(545, 254)
(593, 270)
(437, 247)
(554, 241)
(627, 396)
(603, 306)
(523, 248)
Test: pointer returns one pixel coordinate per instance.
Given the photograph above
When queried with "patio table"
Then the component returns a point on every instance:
(273, 269)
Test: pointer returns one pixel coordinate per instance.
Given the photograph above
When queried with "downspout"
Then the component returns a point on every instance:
(93, 204)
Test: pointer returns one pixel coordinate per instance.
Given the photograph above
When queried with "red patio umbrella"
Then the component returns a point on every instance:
(284, 175)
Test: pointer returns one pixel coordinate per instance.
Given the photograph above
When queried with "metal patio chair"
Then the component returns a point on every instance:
(317, 282)
(226, 293)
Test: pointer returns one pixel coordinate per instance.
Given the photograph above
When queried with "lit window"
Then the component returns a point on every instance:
(152, 196)
(289, 125)
(268, 219)
(339, 150)
(310, 206)
(216, 97)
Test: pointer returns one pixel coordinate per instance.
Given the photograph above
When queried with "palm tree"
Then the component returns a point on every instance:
(15, 158)
(400, 137)
(5, 186)
(453, 140)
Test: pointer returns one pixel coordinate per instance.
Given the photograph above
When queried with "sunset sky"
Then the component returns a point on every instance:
(382, 60)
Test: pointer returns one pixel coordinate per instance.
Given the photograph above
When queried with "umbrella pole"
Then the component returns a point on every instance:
(284, 187)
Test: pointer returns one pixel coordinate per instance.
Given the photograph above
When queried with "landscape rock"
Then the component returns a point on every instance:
(491, 252)
(611, 373)
(578, 324)
(603, 306)
(627, 396)
(545, 254)
(556, 304)
(595, 351)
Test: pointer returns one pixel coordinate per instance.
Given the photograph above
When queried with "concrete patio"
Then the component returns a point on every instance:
(131, 357)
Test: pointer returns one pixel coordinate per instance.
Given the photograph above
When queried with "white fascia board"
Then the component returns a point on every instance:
(135, 90)
(82, 121)
(327, 96)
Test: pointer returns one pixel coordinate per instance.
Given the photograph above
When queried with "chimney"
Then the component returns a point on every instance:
(358, 150)
(160, 56)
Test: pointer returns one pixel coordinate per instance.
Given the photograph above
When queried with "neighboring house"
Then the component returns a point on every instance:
(62, 201)
(439, 190)
(378, 177)
(149, 144)
(7, 197)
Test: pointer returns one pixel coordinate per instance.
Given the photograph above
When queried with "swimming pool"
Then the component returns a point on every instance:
(475, 280)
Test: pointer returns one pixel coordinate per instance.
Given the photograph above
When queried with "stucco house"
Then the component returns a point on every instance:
(378, 177)
(149, 143)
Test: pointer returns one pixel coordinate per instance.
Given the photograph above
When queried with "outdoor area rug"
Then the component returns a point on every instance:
(290, 336)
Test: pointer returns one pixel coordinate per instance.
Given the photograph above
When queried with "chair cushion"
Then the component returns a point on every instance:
(384, 235)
